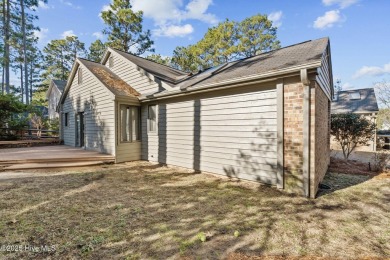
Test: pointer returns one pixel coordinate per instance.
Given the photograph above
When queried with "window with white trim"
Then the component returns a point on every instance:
(152, 118)
(129, 123)
(111, 62)
(80, 76)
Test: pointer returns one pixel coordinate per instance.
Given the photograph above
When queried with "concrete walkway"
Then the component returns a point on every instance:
(50, 157)
(364, 157)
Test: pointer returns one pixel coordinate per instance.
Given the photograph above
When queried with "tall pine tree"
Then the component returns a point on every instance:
(96, 51)
(228, 41)
(124, 28)
(59, 56)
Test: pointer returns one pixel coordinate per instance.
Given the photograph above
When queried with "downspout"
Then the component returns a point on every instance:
(306, 132)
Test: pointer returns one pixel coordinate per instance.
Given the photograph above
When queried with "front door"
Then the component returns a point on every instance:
(80, 129)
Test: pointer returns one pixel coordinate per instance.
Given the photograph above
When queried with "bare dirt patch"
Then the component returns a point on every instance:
(145, 211)
(351, 167)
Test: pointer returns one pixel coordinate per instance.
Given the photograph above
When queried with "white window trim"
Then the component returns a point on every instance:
(148, 120)
(120, 124)
(80, 76)
(111, 61)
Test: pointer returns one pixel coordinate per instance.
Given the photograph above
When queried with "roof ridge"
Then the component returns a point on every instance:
(285, 47)
(89, 60)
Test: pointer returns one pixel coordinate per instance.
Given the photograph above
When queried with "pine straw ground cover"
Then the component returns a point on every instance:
(144, 211)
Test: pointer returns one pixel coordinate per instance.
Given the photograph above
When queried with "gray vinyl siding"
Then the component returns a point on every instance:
(128, 72)
(53, 100)
(97, 103)
(324, 77)
(232, 134)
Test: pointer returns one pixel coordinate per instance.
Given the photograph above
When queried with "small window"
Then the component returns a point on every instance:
(66, 119)
(130, 123)
(354, 96)
(80, 76)
(111, 62)
(152, 116)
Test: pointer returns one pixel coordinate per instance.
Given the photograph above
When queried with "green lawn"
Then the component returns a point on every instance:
(140, 210)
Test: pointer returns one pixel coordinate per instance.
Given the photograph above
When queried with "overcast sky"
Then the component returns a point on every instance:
(359, 30)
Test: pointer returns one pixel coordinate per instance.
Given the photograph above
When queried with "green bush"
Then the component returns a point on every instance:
(13, 115)
(351, 130)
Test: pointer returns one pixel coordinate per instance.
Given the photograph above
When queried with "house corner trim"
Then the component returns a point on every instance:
(280, 133)
(306, 132)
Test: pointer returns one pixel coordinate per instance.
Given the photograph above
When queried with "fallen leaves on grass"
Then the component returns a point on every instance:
(144, 211)
(350, 167)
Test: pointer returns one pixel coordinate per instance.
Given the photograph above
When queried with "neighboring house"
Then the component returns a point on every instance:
(357, 101)
(53, 96)
(263, 118)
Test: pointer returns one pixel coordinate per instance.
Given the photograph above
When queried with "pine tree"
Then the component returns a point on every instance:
(124, 28)
(96, 51)
(59, 56)
(228, 41)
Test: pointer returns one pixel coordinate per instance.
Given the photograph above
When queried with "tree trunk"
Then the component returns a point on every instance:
(31, 80)
(26, 88)
(21, 82)
(2, 79)
(6, 46)
(3, 63)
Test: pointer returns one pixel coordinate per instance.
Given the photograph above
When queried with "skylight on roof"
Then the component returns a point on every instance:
(354, 96)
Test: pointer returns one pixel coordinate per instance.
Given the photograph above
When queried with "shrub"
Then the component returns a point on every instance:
(351, 130)
(12, 116)
(380, 160)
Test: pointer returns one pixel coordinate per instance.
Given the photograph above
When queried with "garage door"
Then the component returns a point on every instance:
(233, 135)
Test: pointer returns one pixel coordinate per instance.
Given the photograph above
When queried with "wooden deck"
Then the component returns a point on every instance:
(56, 156)
(29, 143)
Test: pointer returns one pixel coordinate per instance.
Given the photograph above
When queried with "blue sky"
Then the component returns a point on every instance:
(358, 29)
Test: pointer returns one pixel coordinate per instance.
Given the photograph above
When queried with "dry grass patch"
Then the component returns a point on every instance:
(144, 211)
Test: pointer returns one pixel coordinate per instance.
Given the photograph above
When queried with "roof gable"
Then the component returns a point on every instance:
(59, 84)
(102, 74)
(355, 101)
(276, 61)
(168, 74)
(111, 81)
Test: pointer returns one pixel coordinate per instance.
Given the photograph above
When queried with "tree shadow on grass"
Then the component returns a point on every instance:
(339, 181)
(148, 212)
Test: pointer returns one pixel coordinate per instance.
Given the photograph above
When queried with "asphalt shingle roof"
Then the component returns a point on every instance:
(346, 104)
(109, 79)
(60, 84)
(166, 73)
(283, 58)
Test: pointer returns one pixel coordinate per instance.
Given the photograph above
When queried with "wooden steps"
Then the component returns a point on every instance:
(106, 159)
(52, 165)
(44, 157)
(30, 164)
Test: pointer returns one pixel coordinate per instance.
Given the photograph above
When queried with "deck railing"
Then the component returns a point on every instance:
(28, 134)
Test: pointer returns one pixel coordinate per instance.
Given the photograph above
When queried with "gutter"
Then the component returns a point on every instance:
(265, 77)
